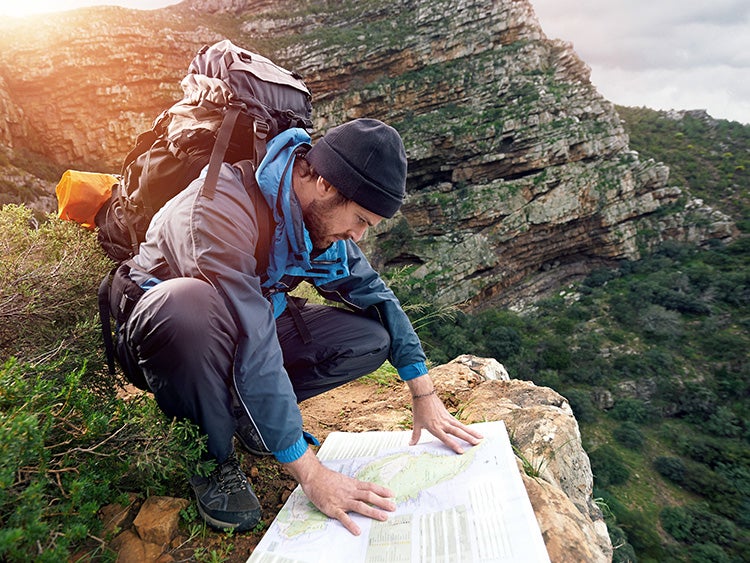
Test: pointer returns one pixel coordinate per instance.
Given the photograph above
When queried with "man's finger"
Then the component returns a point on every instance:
(381, 501)
(348, 523)
(445, 438)
(415, 434)
(368, 510)
(466, 434)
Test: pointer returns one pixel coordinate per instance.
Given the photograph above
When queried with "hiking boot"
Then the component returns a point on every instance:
(247, 435)
(226, 500)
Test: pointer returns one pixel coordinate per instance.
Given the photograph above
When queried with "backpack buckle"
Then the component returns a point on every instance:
(261, 129)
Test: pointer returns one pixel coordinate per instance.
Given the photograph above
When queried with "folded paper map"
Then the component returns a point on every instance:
(450, 508)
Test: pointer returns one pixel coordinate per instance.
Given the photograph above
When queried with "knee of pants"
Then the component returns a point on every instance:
(180, 316)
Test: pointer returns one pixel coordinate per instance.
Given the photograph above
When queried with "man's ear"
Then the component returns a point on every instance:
(324, 188)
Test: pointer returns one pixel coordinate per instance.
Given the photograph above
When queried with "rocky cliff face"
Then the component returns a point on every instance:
(520, 176)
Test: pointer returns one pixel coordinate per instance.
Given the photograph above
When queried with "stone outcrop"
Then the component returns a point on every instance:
(143, 531)
(520, 175)
(541, 426)
(539, 421)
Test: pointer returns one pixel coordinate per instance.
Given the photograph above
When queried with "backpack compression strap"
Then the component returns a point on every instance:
(220, 148)
(103, 300)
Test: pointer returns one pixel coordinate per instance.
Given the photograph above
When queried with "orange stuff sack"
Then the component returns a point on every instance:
(80, 195)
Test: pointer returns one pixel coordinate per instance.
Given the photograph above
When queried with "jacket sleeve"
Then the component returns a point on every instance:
(364, 290)
(222, 234)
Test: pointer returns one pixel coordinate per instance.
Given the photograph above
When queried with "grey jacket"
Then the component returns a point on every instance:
(215, 240)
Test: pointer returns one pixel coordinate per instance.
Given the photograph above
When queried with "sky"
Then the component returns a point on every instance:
(662, 54)
(20, 8)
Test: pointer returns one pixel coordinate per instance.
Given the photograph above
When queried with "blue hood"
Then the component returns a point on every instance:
(291, 245)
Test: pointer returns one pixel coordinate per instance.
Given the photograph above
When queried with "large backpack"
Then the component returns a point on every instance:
(234, 102)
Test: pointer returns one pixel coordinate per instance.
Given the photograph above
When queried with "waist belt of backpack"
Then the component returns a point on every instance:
(117, 296)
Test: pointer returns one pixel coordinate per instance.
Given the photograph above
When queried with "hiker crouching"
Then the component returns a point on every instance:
(218, 341)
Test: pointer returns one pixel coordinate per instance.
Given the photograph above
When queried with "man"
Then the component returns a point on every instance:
(218, 342)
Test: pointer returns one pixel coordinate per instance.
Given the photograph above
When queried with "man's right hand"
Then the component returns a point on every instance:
(336, 495)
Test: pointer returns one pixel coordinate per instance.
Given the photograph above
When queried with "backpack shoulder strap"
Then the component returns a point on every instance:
(263, 213)
(223, 138)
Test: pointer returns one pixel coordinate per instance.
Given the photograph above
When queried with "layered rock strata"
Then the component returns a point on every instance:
(520, 174)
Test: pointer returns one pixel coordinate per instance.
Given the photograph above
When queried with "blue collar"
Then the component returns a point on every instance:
(291, 245)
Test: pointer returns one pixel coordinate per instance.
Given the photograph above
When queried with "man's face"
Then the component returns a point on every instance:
(331, 219)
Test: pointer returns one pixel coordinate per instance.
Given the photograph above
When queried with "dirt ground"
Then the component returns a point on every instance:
(366, 404)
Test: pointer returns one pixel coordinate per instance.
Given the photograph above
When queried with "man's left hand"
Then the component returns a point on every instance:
(429, 413)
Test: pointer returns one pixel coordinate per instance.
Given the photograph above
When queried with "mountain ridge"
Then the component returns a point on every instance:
(520, 174)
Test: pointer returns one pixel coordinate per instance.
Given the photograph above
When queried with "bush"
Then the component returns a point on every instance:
(65, 452)
(502, 342)
(725, 423)
(554, 354)
(544, 378)
(49, 275)
(709, 553)
(696, 524)
(581, 404)
(631, 410)
(660, 324)
(697, 402)
(639, 529)
(673, 468)
(623, 551)
(600, 276)
(629, 435)
(608, 467)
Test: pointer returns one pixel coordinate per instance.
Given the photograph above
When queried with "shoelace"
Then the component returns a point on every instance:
(230, 477)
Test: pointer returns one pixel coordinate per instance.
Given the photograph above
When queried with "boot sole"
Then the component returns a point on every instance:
(236, 526)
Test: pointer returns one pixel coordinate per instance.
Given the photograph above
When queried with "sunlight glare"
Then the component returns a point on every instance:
(24, 8)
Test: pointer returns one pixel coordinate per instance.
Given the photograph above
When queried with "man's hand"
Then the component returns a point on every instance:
(430, 414)
(336, 495)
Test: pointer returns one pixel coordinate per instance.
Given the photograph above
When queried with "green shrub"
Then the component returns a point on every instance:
(554, 354)
(724, 422)
(581, 404)
(673, 468)
(66, 451)
(632, 410)
(608, 466)
(660, 324)
(502, 342)
(49, 275)
(629, 435)
(709, 553)
(696, 524)
(623, 551)
(543, 377)
(600, 276)
(697, 402)
(639, 529)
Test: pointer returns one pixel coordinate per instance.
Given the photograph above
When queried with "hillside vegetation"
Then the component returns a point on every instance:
(653, 359)
(711, 156)
(652, 356)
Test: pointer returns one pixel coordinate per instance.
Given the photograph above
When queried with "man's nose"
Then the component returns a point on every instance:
(357, 234)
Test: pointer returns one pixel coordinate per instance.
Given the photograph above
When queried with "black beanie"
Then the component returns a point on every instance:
(365, 160)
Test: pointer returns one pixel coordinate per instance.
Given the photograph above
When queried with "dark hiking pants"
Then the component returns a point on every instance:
(181, 338)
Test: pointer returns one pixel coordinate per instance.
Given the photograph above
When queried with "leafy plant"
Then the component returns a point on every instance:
(49, 275)
(67, 451)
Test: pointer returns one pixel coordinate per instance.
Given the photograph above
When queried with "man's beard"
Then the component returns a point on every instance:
(317, 218)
